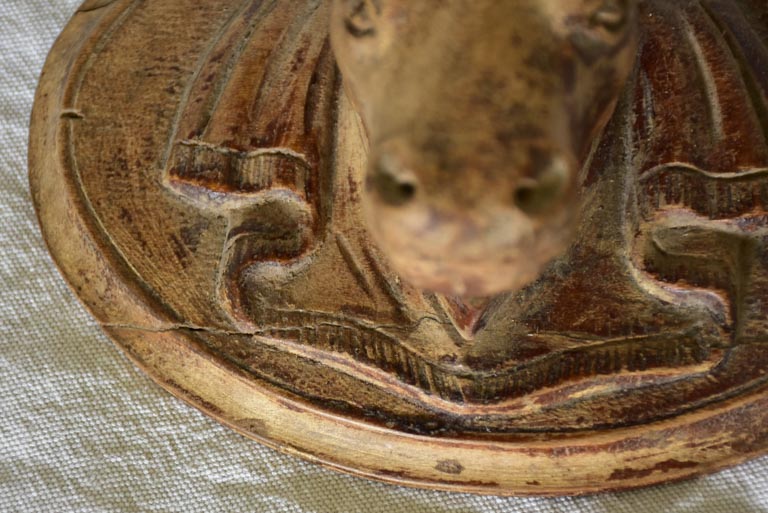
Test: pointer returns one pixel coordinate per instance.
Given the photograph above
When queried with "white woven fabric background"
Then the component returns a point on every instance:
(82, 430)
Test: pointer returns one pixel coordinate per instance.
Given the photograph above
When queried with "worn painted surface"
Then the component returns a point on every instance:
(200, 168)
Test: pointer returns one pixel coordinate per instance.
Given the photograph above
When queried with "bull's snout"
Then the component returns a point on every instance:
(475, 231)
(540, 189)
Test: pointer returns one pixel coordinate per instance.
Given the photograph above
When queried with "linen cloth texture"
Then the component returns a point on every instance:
(82, 430)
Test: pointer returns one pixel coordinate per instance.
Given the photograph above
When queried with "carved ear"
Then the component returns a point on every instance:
(360, 17)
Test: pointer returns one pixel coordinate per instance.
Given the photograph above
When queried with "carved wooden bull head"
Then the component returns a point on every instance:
(479, 116)
(201, 194)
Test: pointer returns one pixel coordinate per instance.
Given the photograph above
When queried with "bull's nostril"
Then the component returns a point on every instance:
(392, 190)
(536, 197)
(527, 198)
(407, 190)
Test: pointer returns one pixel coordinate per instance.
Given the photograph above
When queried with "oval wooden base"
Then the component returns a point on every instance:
(99, 114)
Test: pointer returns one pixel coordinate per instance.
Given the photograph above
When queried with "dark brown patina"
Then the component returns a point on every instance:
(605, 161)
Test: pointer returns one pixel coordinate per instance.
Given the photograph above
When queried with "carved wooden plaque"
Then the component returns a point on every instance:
(199, 172)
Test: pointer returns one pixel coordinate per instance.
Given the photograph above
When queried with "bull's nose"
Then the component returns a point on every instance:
(391, 182)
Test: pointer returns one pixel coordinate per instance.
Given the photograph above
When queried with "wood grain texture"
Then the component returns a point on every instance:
(199, 173)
